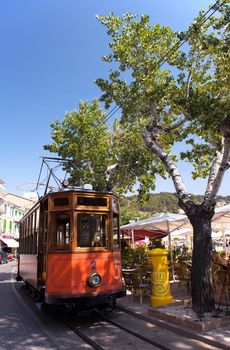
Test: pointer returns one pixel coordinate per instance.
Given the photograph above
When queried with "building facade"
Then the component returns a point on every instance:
(12, 209)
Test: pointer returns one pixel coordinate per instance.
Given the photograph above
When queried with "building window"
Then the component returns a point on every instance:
(16, 229)
(4, 225)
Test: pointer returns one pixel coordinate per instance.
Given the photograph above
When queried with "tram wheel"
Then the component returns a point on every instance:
(108, 307)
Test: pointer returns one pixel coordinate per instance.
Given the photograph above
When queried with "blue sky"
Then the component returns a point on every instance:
(50, 56)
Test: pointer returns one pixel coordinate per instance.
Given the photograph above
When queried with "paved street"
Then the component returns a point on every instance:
(22, 326)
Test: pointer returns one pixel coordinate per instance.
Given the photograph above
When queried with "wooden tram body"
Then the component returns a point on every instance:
(70, 249)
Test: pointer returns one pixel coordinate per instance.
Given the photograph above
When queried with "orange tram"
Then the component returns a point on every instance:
(69, 249)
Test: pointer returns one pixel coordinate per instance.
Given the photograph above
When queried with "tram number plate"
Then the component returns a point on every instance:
(93, 265)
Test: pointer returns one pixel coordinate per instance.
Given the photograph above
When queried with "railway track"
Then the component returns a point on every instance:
(103, 333)
(119, 330)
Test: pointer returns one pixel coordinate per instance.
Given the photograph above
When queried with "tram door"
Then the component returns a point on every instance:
(42, 243)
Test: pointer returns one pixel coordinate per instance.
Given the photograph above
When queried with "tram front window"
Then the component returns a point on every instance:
(61, 229)
(92, 230)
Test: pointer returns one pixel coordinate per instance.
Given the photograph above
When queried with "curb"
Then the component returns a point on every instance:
(173, 328)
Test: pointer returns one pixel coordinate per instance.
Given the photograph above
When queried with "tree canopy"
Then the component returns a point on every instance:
(182, 96)
(72, 139)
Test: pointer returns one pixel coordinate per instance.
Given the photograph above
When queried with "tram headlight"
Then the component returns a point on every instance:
(94, 279)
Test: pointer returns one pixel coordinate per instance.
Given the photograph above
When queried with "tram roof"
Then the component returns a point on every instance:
(76, 189)
(67, 190)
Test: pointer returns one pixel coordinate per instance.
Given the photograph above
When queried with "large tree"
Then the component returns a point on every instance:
(167, 96)
(180, 98)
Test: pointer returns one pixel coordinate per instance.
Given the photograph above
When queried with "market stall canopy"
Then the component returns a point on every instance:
(156, 226)
(10, 242)
(141, 234)
(221, 218)
(182, 233)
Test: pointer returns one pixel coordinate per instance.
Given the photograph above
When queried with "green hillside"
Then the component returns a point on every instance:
(158, 203)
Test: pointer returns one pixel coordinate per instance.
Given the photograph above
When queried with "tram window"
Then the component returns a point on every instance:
(31, 237)
(45, 228)
(61, 229)
(92, 230)
(92, 201)
(37, 219)
(34, 221)
(61, 201)
(35, 243)
(116, 235)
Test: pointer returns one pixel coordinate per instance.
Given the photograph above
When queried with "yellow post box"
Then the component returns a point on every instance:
(158, 260)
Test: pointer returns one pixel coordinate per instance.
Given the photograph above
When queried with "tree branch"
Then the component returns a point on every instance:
(111, 169)
(177, 125)
(220, 163)
(154, 114)
(219, 166)
(188, 84)
(187, 115)
(170, 167)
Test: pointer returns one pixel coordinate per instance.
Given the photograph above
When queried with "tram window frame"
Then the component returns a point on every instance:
(115, 227)
(91, 202)
(26, 236)
(37, 219)
(94, 238)
(35, 243)
(33, 231)
(45, 228)
(30, 234)
(36, 230)
(60, 202)
(61, 239)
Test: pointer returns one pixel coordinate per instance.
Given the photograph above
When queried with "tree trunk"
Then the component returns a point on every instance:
(201, 283)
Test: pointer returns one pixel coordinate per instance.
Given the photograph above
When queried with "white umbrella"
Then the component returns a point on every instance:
(221, 222)
(162, 223)
(182, 233)
(221, 218)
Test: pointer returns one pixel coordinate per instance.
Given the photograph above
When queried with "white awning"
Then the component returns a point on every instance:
(10, 242)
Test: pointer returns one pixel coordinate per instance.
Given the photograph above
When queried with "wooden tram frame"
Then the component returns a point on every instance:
(67, 273)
